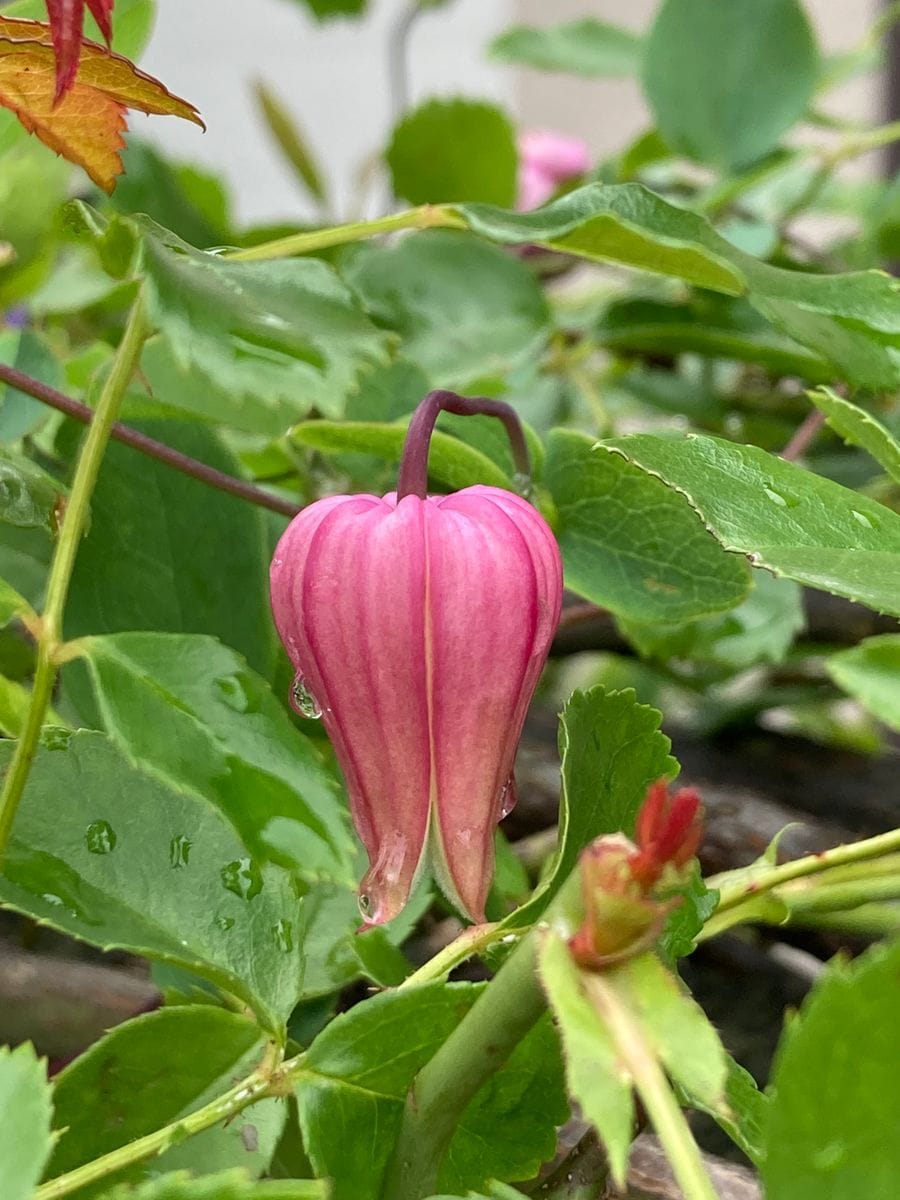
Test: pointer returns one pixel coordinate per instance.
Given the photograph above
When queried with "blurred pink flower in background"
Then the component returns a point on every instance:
(546, 160)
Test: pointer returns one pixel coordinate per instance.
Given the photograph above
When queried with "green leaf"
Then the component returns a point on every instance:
(744, 1115)
(859, 428)
(193, 205)
(283, 127)
(729, 330)
(186, 389)
(230, 1185)
(29, 353)
(151, 1072)
(623, 223)
(835, 1089)
(612, 750)
(288, 329)
(592, 48)
(852, 320)
(677, 1028)
(205, 552)
(725, 81)
(509, 1130)
(191, 712)
(871, 673)
(449, 150)
(630, 547)
(129, 863)
(760, 629)
(784, 518)
(451, 463)
(325, 10)
(697, 905)
(29, 497)
(359, 1069)
(594, 1074)
(463, 309)
(12, 604)
(25, 1138)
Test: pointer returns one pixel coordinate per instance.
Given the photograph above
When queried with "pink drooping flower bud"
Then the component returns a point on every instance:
(420, 625)
(546, 160)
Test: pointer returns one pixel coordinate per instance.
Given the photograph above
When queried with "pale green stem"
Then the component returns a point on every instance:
(732, 894)
(427, 216)
(837, 897)
(866, 921)
(73, 524)
(265, 1081)
(469, 943)
(633, 1048)
(478, 1047)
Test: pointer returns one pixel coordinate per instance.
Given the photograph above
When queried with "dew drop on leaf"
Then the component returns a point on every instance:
(232, 692)
(243, 877)
(284, 936)
(224, 923)
(303, 702)
(864, 519)
(100, 837)
(179, 850)
(54, 738)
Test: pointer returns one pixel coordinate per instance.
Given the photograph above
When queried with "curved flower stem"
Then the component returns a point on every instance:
(413, 477)
(263, 1082)
(147, 445)
(73, 524)
(427, 216)
(653, 1088)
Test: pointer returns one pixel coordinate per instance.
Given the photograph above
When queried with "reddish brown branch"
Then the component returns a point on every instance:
(147, 445)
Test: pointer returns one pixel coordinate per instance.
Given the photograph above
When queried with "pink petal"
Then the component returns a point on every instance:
(556, 155)
(494, 596)
(353, 604)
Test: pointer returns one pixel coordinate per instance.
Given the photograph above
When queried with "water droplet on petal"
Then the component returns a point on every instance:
(100, 837)
(284, 936)
(179, 850)
(865, 520)
(364, 900)
(303, 702)
(508, 798)
(243, 877)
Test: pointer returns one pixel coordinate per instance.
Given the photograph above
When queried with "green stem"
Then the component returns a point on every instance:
(747, 889)
(469, 943)
(427, 216)
(478, 1047)
(840, 897)
(261, 1083)
(662, 1108)
(70, 534)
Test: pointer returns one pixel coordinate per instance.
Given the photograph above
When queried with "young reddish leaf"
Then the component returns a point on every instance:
(87, 124)
(66, 24)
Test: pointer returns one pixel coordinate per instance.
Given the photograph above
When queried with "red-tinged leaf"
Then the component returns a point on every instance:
(87, 125)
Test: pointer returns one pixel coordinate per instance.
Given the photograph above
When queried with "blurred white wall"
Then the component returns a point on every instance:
(333, 76)
(335, 79)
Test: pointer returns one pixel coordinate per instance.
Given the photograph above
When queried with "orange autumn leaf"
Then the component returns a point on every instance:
(87, 124)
